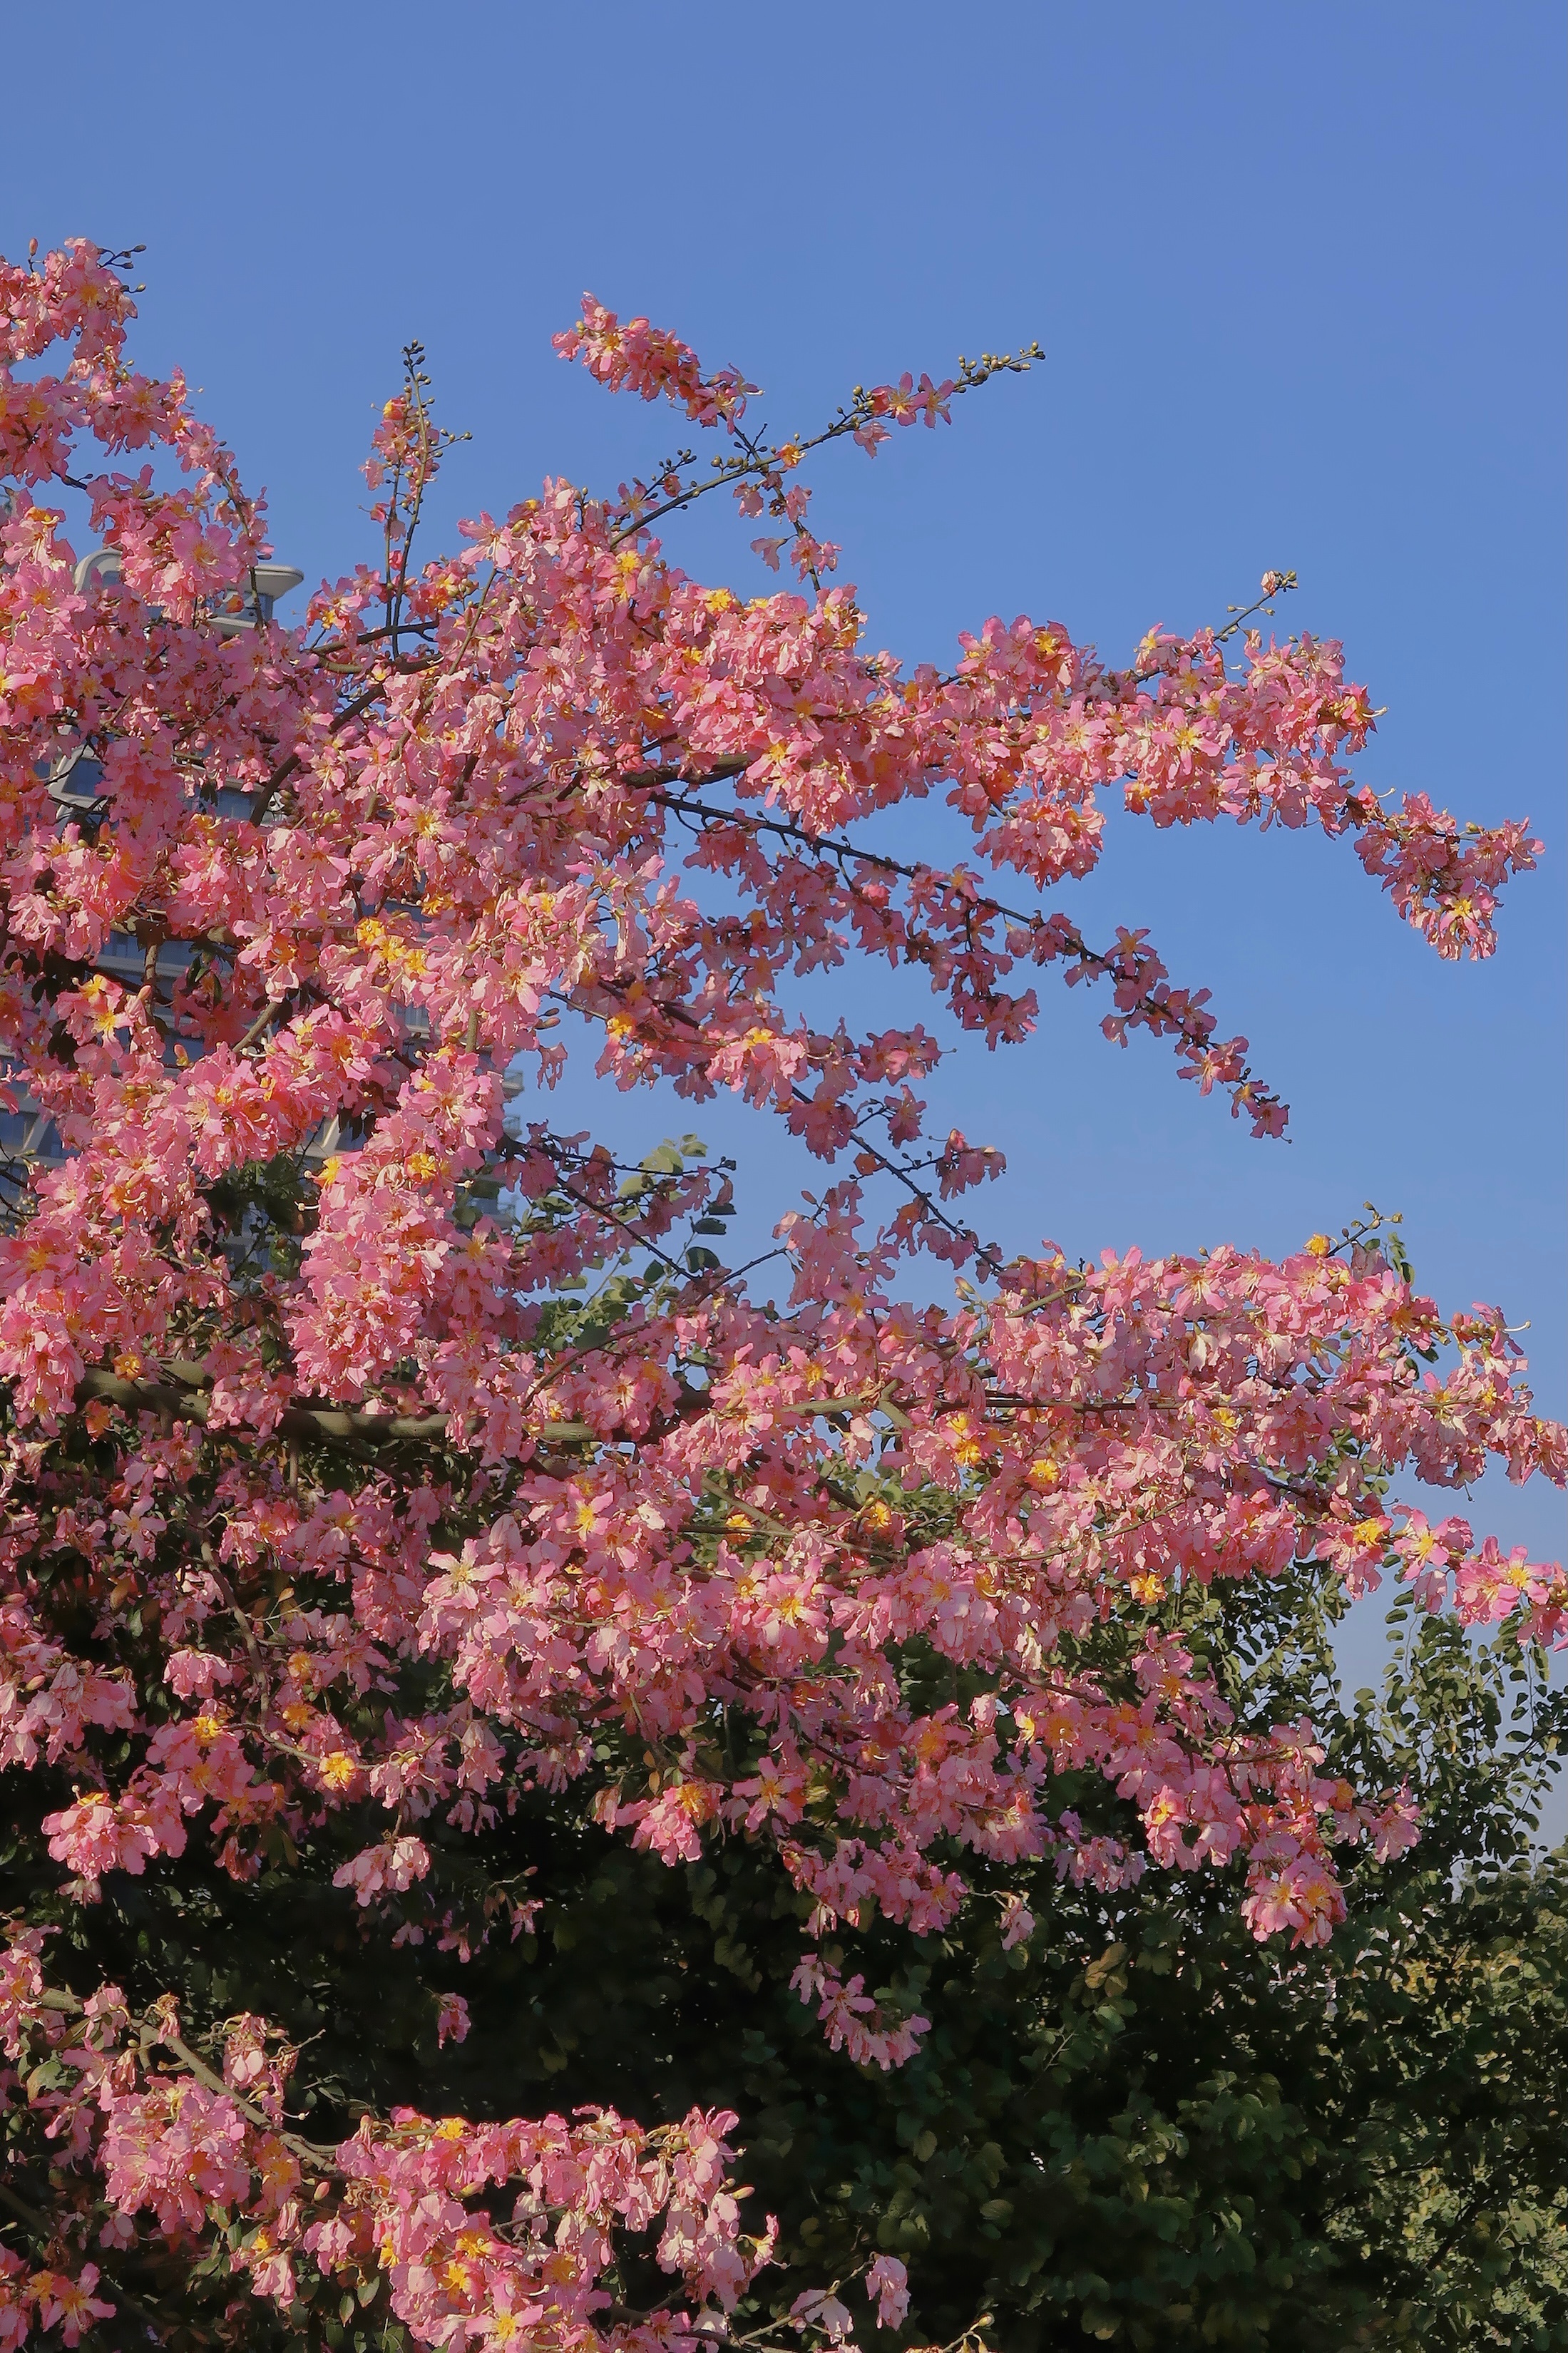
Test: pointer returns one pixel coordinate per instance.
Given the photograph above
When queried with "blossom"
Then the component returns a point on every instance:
(819, 2308)
(394, 1866)
(1018, 1922)
(69, 2304)
(93, 1835)
(887, 2281)
(452, 2018)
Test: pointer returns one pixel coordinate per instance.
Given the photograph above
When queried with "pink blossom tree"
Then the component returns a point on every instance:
(377, 1458)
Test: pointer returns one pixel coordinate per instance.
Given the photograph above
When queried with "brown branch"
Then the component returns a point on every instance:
(264, 1019)
(316, 2153)
(156, 2029)
(339, 1423)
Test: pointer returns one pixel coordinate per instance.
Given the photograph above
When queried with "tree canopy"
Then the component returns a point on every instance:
(558, 1798)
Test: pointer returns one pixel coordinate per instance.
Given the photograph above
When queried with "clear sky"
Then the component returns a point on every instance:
(1298, 274)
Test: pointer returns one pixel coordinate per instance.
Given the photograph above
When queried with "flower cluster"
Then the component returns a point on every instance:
(649, 361)
(471, 2235)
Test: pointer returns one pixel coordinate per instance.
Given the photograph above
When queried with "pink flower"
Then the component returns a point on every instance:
(1018, 1922)
(196, 1674)
(390, 1868)
(70, 2304)
(451, 2019)
(1299, 1893)
(887, 2281)
(93, 1835)
(819, 2309)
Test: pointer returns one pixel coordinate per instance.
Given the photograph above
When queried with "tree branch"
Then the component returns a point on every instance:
(339, 1423)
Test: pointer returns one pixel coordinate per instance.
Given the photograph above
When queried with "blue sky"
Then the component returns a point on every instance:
(1298, 276)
